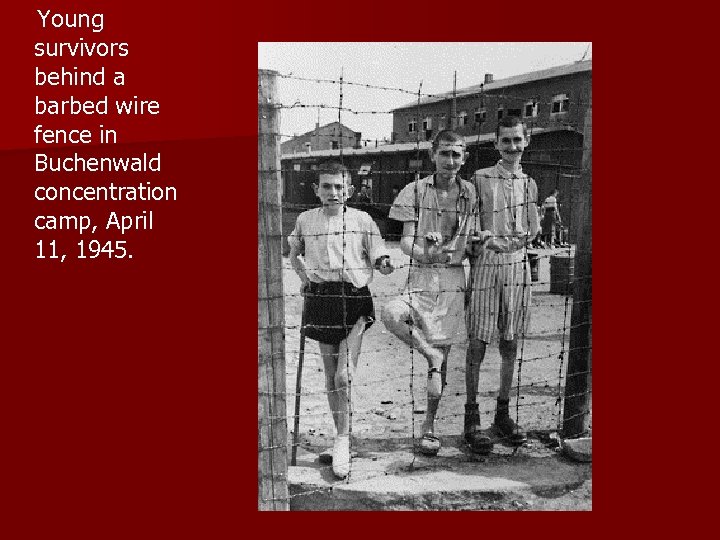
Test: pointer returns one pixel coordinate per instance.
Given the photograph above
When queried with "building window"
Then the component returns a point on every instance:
(531, 108)
(334, 145)
(500, 112)
(427, 127)
(441, 122)
(308, 146)
(560, 104)
(462, 119)
(480, 115)
(412, 126)
(296, 166)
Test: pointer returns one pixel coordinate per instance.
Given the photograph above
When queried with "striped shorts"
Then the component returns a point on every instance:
(500, 296)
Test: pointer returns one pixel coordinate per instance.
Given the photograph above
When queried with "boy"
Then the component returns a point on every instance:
(340, 248)
(500, 276)
(429, 316)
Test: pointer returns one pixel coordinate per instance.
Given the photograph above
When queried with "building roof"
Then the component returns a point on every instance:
(313, 130)
(409, 146)
(557, 71)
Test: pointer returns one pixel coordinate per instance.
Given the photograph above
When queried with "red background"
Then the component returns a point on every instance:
(130, 387)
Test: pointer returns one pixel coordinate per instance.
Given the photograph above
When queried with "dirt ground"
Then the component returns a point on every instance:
(388, 392)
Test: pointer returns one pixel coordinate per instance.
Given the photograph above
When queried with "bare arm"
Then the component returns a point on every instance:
(298, 266)
(408, 238)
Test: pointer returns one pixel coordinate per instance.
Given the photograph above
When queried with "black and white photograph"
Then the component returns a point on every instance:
(425, 276)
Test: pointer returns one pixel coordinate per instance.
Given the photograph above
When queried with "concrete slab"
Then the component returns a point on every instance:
(388, 475)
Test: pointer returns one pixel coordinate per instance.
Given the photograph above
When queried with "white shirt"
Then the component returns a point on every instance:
(320, 238)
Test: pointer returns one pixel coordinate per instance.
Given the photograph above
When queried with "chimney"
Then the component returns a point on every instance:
(488, 78)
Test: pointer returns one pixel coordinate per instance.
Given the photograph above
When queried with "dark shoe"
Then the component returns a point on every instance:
(509, 430)
(479, 442)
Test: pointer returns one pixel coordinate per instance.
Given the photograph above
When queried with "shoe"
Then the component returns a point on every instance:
(429, 444)
(341, 456)
(509, 430)
(479, 442)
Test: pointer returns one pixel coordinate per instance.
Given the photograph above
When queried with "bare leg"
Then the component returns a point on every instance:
(329, 353)
(473, 360)
(503, 422)
(395, 316)
(508, 352)
(348, 354)
(433, 399)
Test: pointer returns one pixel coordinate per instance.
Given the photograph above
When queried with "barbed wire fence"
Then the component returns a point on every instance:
(554, 384)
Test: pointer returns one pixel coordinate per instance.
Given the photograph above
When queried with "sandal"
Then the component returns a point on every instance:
(429, 444)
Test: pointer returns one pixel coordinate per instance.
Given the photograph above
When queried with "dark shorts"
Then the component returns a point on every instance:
(333, 308)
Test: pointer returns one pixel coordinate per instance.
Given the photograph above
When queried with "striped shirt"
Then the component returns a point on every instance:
(506, 206)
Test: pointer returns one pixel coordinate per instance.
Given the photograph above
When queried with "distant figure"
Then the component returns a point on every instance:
(551, 220)
(364, 197)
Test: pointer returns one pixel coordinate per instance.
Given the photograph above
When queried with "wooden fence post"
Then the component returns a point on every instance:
(578, 384)
(272, 422)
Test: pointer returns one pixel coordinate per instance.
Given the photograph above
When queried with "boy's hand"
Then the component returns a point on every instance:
(434, 238)
(434, 252)
(386, 265)
(476, 241)
(522, 240)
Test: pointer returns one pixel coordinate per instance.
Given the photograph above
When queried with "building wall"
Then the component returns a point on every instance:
(577, 87)
(322, 139)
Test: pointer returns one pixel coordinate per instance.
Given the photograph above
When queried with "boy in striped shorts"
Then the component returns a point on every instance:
(500, 277)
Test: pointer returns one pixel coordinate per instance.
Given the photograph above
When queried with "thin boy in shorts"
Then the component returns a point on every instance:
(500, 290)
(429, 315)
(340, 248)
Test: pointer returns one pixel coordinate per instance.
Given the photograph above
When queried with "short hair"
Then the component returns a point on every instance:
(510, 122)
(446, 135)
(332, 167)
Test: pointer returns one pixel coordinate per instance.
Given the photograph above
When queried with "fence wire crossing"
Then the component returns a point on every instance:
(386, 392)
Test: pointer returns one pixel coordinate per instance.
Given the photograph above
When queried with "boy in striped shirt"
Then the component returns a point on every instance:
(500, 277)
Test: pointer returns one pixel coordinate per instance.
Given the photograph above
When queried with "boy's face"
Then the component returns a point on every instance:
(511, 143)
(448, 158)
(333, 189)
